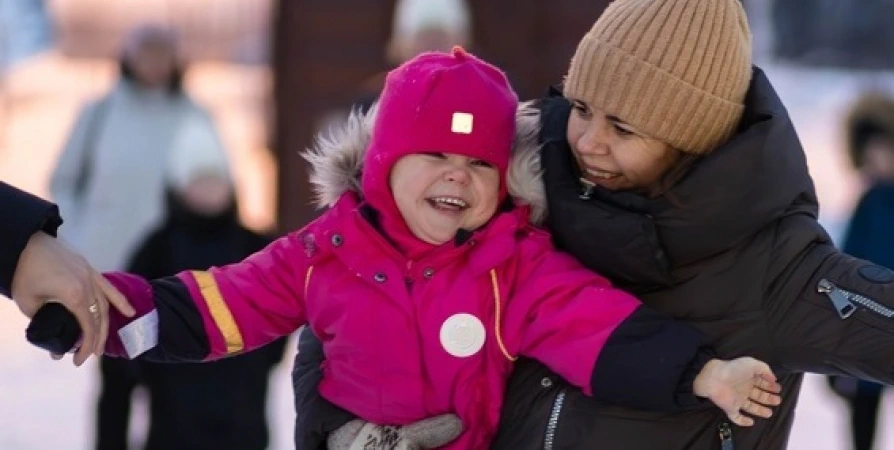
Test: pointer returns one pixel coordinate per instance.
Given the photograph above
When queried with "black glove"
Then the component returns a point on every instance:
(54, 329)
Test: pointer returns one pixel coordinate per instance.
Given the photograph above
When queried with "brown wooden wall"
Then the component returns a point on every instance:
(324, 49)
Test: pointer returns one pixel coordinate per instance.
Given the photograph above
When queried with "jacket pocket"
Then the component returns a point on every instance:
(583, 423)
(528, 407)
(841, 322)
(849, 304)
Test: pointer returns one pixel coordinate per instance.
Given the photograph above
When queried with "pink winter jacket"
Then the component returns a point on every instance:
(382, 318)
(406, 340)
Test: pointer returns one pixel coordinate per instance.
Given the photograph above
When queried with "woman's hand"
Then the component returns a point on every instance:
(743, 385)
(49, 271)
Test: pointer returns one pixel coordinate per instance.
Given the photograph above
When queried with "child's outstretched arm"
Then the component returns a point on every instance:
(617, 350)
(203, 315)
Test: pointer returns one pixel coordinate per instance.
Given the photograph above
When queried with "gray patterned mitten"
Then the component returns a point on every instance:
(425, 434)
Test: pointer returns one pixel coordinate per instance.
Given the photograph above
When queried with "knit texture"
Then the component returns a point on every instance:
(676, 70)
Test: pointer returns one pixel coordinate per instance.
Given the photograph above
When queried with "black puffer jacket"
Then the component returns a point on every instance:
(23, 215)
(735, 249)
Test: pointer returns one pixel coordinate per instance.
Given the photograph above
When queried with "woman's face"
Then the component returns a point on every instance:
(614, 154)
(153, 63)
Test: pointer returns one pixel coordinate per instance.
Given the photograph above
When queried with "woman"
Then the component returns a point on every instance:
(109, 182)
(671, 166)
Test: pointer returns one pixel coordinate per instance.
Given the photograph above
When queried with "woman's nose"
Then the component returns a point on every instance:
(593, 142)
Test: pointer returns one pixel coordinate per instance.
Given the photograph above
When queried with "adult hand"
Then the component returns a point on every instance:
(737, 386)
(429, 433)
(49, 271)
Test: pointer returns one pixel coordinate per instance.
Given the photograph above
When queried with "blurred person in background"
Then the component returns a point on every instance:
(109, 181)
(420, 26)
(870, 145)
(218, 405)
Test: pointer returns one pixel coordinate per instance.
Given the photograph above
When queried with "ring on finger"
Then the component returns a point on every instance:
(94, 308)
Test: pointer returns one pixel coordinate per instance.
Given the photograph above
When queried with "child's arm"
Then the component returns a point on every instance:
(617, 350)
(196, 316)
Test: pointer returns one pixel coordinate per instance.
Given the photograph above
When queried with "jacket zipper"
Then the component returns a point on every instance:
(553, 423)
(726, 436)
(846, 302)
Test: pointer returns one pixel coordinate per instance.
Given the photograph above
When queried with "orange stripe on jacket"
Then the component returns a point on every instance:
(220, 313)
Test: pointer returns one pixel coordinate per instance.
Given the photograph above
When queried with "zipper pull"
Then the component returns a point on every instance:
(587, 188)
(842, 304)
(726, 436)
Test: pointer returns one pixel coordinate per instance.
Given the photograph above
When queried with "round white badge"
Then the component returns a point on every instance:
(462, 335)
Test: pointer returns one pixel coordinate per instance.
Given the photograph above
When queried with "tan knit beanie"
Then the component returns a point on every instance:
(676, 70)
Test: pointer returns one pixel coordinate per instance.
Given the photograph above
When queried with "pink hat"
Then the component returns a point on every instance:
(439, 102)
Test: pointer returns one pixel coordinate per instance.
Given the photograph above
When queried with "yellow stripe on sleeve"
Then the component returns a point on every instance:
(220, 313)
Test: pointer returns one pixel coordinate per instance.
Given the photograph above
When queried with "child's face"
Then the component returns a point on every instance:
(207, 194)
(439, 193)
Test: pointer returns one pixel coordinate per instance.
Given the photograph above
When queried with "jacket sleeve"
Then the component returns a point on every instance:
(834, 315)
(23, 215)
(196, 316)
(603, 339)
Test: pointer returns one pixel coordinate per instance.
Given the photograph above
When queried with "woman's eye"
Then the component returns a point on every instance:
(581, 109)
(623, 131)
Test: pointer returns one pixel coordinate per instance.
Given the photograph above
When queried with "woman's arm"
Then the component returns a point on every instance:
(616, 350)
(834, 315)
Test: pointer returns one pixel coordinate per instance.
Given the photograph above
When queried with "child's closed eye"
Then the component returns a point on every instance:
(480, 163)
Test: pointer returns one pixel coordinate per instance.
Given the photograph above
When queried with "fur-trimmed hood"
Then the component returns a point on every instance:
(336, 160)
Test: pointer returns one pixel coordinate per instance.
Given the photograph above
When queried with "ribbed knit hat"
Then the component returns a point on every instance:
(437, 102)
(677, 70)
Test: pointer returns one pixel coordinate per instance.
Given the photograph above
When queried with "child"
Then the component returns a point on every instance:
(193, 405)
(425, 281)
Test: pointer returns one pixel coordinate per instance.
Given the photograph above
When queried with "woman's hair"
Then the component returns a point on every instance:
(151, 34)
(174, 83)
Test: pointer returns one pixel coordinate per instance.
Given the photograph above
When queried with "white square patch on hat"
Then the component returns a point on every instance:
(462, 123)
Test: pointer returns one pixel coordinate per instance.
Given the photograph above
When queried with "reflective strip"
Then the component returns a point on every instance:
(220, 313)
(498, 304)
(310, 271)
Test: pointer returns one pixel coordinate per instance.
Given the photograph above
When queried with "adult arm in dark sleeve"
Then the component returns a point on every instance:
(831, 313)
(315, 416)
(23, 215)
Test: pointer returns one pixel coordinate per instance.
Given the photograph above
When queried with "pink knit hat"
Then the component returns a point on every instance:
(439, 102)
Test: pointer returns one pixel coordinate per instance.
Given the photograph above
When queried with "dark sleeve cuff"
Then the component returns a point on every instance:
(315, 417)
(24, 215)
(649, 363)
(684, 397)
